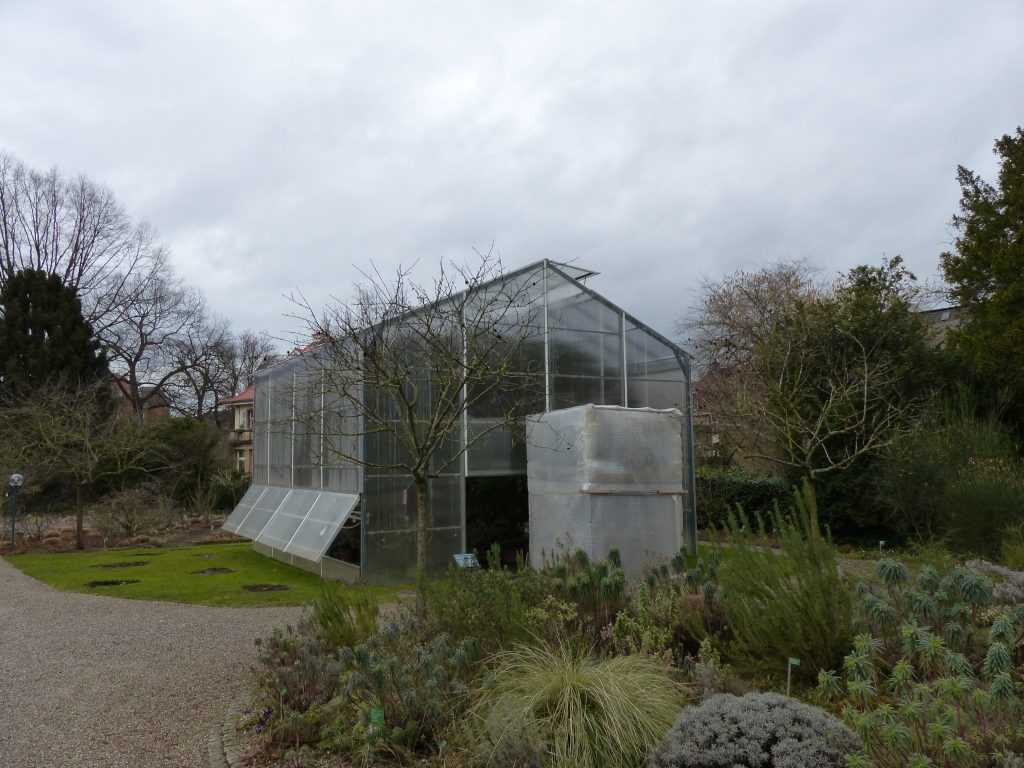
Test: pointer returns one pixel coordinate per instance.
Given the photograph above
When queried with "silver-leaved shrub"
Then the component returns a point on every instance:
(762, 730)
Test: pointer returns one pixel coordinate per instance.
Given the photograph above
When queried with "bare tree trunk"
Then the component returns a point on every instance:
(422, 524)
(79, 518)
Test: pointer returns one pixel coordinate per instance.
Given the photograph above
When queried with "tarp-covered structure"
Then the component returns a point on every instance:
(306, 499)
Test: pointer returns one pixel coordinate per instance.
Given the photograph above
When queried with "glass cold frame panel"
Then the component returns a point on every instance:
(280, 529)
(245, 505)
(320, 527)
(261, 512)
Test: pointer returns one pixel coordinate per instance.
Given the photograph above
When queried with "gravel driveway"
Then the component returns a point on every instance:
(94, 681)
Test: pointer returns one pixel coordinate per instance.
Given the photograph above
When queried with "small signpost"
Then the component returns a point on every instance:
(14, 483)
(467, 560)
(789, 672)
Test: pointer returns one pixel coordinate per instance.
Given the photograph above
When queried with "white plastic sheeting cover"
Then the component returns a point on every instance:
(605, 449)
(603, 478)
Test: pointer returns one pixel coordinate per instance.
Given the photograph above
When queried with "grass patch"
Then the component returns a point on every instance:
(173, 576)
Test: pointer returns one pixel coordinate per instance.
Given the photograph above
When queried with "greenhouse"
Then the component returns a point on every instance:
(320, 500)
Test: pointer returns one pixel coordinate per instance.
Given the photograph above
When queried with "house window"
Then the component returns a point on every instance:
(248, 418)
(240, 461)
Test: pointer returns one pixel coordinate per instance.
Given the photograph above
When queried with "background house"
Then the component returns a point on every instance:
(240, 436)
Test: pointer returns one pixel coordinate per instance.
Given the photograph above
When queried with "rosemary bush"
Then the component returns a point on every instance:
(791, 603)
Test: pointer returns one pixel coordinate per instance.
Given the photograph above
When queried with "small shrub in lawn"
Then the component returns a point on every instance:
(793, 603)
(342, 616)
(559, 706)
(762, 730)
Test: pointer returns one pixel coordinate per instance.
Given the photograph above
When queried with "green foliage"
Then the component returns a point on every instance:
(986, 274)
(44, 338)
(790, 603)
(670, 611)
(1012, 547)
(719, 491)
(929, 684)
(955, 476)
(598, 589)
(294, 671)
(490, 605)
(931, 706)
(563, 707)
(191, 456)
(342, 616)
(404, 689)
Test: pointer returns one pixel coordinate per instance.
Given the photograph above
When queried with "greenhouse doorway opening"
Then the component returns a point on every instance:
(497, 512)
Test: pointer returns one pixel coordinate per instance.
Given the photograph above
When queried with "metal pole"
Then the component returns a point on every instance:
(13, 493)
(547, 352)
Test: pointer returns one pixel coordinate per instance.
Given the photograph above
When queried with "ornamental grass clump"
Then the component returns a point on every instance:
(791, 603)
(558, 706)
(761, 730)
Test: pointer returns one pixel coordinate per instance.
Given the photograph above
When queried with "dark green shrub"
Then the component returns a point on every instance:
(791, 603)
(342, 616)
(403, 690)
(295, 673)
(956, 476)
(559, 706)
(490, 605)
(761, 730)
(597, 589)
(719, 491)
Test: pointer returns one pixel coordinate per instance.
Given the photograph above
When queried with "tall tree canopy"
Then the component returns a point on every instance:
(43, 337)
(985, 272)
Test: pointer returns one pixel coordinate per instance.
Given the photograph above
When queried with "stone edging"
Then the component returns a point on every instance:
(224, 751)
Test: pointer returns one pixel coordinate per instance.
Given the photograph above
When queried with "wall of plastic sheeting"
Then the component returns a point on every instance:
(607, 477)
(579, 349)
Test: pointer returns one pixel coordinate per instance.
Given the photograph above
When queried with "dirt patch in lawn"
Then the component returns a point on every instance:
(211, 571)
(264, 587)
(111, 583)
(125, 564)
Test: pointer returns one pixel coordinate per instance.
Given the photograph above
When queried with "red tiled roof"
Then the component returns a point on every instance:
(247, 395)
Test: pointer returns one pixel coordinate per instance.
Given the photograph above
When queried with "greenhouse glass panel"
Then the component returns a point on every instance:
(321, 525)
(246, 504)
(286, 519)
(261, 512)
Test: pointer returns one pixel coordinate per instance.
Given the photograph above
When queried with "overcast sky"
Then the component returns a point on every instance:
(279, 146)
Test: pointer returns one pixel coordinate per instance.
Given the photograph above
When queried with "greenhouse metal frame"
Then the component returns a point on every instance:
(304, 493)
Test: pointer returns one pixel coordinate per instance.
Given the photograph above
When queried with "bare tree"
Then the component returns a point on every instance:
(407, 362)
(77, 436)
(809, 376)
(73, 228)
(240, 358)
(156, 334)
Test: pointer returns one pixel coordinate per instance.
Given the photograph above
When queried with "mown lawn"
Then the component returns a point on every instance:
(176, 574)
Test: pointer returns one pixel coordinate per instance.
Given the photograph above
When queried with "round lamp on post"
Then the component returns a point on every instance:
(14, 483)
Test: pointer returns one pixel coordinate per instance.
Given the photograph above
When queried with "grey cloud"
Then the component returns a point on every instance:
(280, 147)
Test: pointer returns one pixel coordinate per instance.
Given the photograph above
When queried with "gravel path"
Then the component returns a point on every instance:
(99, 682)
